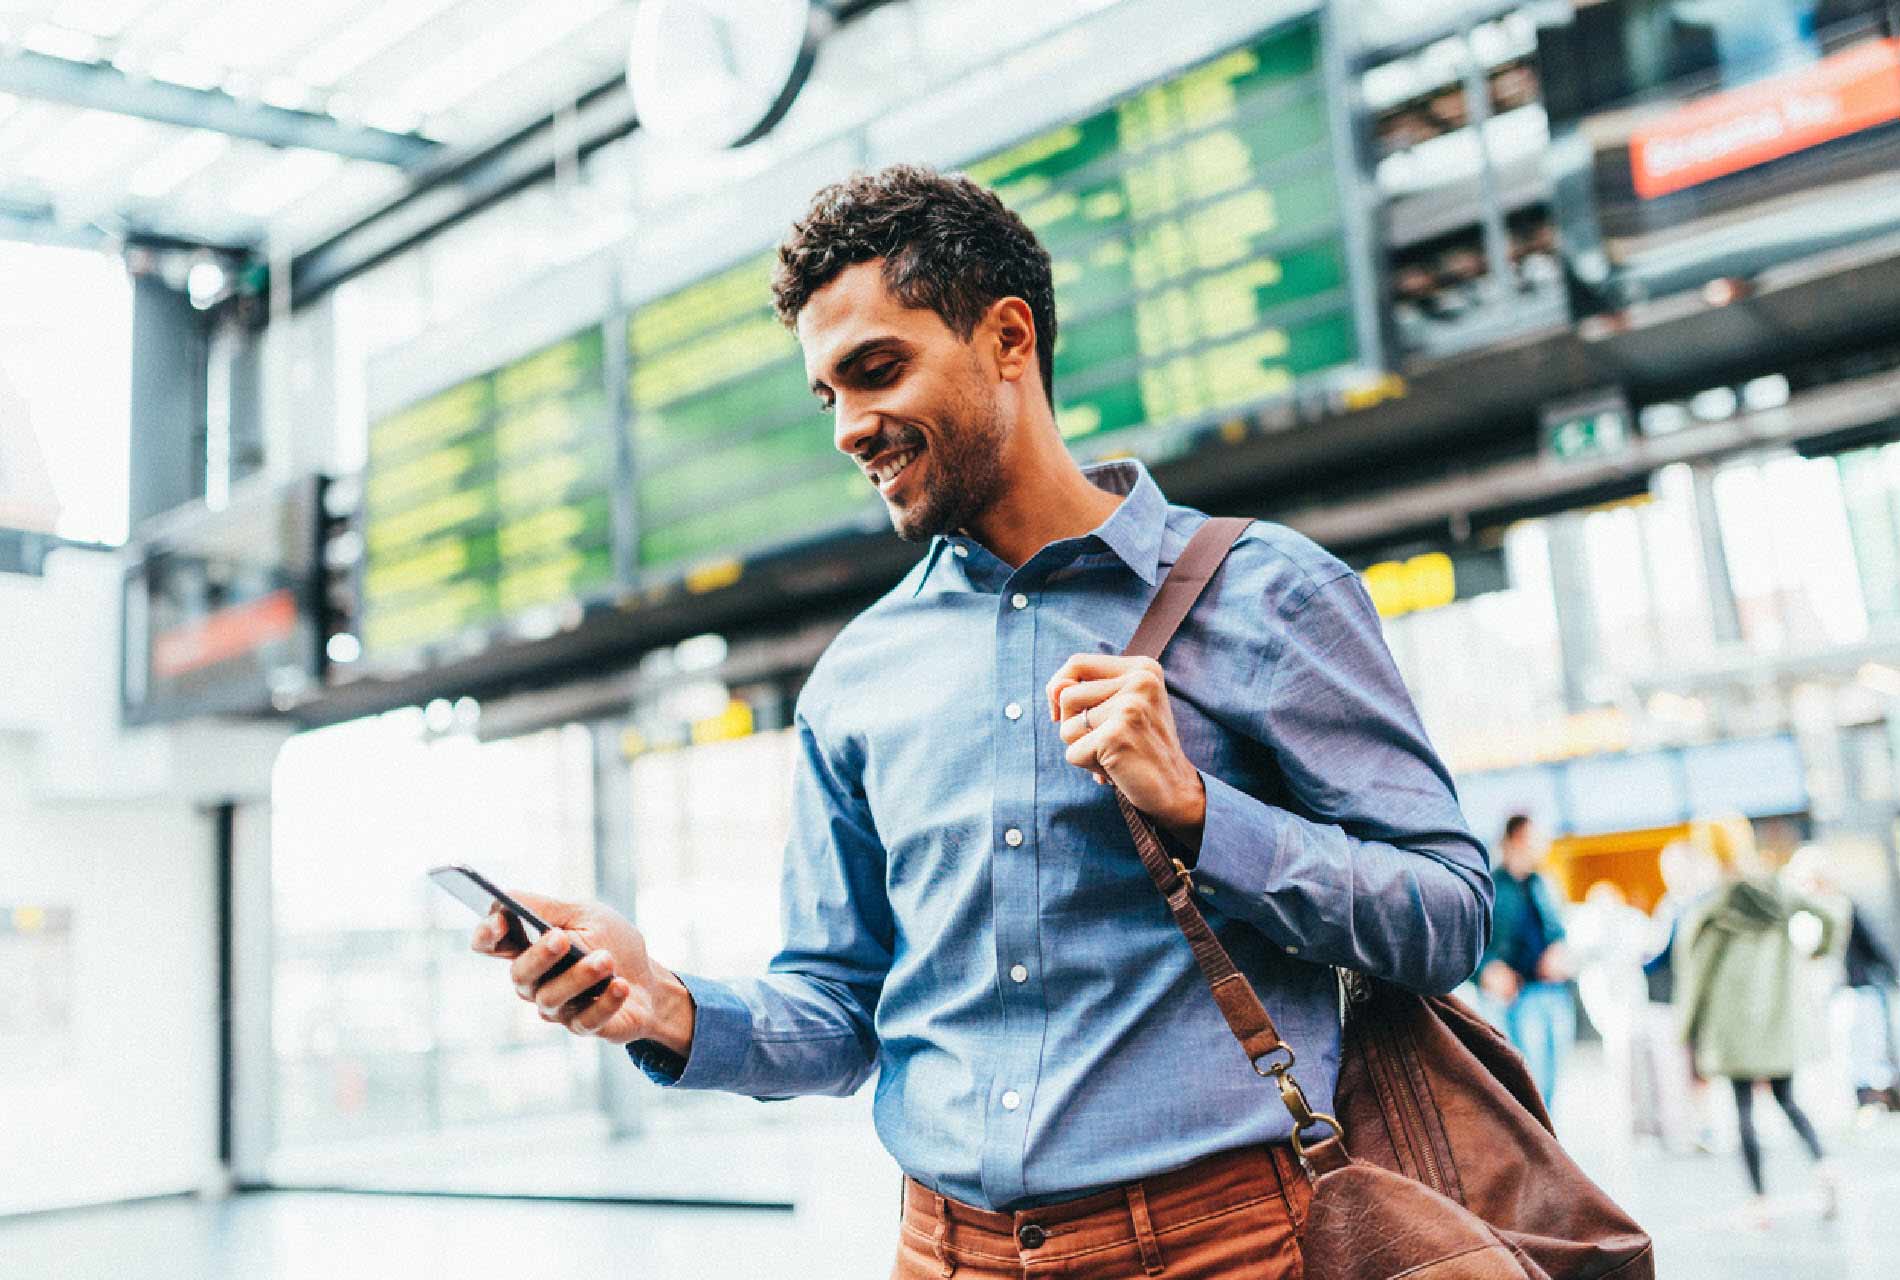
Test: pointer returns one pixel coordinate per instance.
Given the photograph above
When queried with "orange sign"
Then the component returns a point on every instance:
(1725, 133)
(226, 634)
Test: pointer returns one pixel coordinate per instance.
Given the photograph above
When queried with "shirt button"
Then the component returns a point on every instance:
(1012, 1100)
(1013, 837)
(960, 551)
(1019, 601)
(1207, 890)
(1292, 951)
(1019, 973)
(1014, 711)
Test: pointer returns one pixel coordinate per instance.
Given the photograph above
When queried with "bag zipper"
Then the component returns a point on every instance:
(1412, 1113)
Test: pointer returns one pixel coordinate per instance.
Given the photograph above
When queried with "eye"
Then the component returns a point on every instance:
(879, 375)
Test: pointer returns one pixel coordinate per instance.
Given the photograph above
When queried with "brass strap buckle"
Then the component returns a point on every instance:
(1294, 1098)
(1187, 877)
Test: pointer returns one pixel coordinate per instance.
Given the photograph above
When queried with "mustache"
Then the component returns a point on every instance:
(891, 438)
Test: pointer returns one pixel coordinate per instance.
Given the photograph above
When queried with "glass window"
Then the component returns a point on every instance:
(384, 1024)
(65, 392)
(1450, 658)
(709, 829)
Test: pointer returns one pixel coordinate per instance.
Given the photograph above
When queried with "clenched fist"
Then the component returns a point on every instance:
(1115, 715)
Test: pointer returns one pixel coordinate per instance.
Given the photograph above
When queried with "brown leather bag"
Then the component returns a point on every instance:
(1454, 1172)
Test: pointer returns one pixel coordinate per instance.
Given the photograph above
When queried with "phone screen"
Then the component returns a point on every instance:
(472, 888)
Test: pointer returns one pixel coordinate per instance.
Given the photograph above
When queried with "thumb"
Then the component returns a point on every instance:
(556, 911)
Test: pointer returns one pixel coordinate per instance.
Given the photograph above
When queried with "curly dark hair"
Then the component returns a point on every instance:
(947, 244)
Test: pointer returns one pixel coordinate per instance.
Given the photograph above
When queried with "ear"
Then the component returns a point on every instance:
(1013, 330)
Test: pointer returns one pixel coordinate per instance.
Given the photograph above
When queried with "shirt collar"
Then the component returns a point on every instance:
(1133, 532)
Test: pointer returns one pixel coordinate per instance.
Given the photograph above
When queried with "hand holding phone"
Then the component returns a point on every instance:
(583, 965)
(469, 886)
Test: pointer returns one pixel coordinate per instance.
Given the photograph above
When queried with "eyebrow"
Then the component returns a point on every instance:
(855, 354)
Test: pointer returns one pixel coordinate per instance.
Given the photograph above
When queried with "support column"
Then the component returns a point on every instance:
(621, 1082)
(170, 349)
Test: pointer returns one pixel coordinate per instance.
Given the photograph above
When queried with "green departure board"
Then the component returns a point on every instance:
(731, 449)
(490, 498)
(1199, 255)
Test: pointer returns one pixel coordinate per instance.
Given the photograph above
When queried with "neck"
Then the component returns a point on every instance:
(1045, 499)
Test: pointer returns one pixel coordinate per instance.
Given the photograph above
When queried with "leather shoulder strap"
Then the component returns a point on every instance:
(1202, 556)
(1238, 1002)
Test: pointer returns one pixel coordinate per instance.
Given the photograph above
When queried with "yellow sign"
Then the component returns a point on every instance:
(1399, 587)
(734, 722)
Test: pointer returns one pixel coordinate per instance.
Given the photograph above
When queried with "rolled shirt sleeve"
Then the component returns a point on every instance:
(806, 1026)
(1377, 871)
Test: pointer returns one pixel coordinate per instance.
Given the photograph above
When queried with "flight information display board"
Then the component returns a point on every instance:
(490, 498)
(731, 450)
(1201, 263)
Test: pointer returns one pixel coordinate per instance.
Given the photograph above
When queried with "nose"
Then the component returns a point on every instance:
(853, 426)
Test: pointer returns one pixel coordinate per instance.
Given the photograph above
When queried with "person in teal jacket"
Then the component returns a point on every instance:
(1524, 978)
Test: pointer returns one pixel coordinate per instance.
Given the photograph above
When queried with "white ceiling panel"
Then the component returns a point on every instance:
(462, 72)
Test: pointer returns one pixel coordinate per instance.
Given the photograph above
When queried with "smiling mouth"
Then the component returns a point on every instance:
(886, 473)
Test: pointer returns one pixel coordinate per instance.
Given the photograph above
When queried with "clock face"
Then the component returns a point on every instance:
(719, 73)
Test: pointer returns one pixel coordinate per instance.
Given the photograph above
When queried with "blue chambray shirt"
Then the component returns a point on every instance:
(965, 915)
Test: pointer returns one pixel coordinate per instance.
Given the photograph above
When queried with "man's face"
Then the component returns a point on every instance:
(913, 404)
(1524, 851)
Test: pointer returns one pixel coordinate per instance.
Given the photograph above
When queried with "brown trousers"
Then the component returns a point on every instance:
(1233, 1215)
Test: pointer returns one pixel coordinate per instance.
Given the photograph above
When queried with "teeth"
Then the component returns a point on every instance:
(885, 474)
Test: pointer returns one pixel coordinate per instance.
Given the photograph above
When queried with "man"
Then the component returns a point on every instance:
(1526, 973)
(964, 912)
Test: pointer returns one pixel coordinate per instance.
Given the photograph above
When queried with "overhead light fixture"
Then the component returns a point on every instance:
(1771, 392)
(205, 282)
(172, 167)
(183, 69)
(61, 42)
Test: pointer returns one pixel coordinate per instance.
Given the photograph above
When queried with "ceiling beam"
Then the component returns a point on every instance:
(100, 86)
(460, 183)
(37, 220)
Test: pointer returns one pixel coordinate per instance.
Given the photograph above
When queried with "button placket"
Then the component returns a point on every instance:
(1013, 871)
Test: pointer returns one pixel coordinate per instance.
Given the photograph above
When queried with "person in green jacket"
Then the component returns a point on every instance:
(1738, 997)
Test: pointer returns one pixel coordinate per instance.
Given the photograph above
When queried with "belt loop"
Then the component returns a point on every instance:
(943, 1237)
(1291, 1176)
(1144, 1229)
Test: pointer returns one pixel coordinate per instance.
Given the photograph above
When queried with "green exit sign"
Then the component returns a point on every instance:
(1596, 426)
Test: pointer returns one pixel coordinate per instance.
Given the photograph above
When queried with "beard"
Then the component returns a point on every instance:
(963, 470)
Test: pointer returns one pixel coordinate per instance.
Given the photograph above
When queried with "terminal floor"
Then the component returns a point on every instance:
(845, 1226)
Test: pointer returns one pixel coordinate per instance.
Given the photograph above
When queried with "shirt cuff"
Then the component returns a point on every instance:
(1240, 842)
(722, 1036)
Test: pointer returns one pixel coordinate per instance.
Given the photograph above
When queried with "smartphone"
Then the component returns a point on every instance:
(474, 889)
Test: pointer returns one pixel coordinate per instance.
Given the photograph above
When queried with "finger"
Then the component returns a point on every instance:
(500, 934)
(1078, 697)
(556, 911)
(1101, 666)
(1054, 690)
(593, 1016)
(1105, 715)
(532, 965)
(558, 991)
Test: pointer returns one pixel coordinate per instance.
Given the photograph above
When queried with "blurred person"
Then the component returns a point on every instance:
(1525, 974)
(1870, 971)
(1672, 1100)
(964, 914)
(1608, 939)
(1740, 996)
